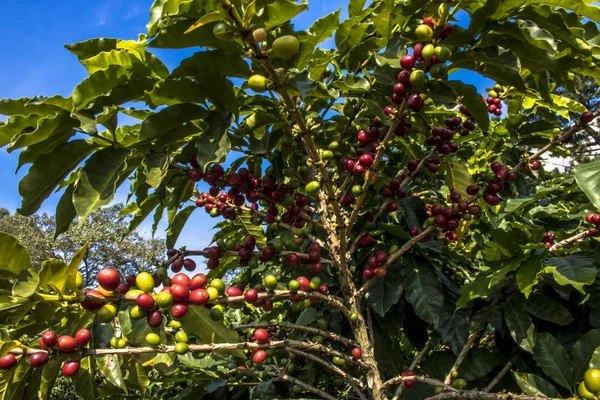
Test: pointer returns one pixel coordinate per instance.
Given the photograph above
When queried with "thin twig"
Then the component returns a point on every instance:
(355, 383)
(462, 355)
(502, 372)
(568, 241)
(289, 325)
(412, 367)
(306, 386)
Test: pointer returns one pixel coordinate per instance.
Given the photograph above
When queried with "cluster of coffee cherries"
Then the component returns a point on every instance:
(548, 239)
(448, 218)
(48, 341)
(589, 388)
(493, 101)
(376, 265)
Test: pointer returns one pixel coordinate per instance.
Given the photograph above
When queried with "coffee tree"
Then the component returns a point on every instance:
(384, 230)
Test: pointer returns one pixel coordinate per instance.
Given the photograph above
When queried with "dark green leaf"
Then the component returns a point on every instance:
(213, 145)
(423, 290)
(386, 292)
(576, 270)
(533, 385)
(582, 352)
(177, 225)
(547, 309)
(519, 323)
(588, 179)
(552, 358)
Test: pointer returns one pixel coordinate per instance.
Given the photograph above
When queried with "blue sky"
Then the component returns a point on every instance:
(34, 62)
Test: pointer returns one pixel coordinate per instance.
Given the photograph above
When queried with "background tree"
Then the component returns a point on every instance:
(112, 245)
(386, 231)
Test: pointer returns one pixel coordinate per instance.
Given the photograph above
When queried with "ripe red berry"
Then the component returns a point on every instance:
(261, 335)
(404, 77)
(82, 337)
(400, 89)
(412, 165)
(38, 359)
(67, 344)
(177, 264)
(8, 361)
(49, 339)
(189, 264)
(455, 197)
(593, 232)
(145, 301)
(407, 61)
(198, 281)
(586, 117)
(596, 219)
(180, 292)
(93, 304)
(408, 384)
(70, 367)
(179, 310)
(535, 165)
(251, 296)
(415, 102)
(368, 273)
(356, 353)
(259, 356)
(154, 318)
(233, 291)
(108, 279)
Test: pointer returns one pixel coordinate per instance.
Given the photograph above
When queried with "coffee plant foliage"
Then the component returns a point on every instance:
(383, 230)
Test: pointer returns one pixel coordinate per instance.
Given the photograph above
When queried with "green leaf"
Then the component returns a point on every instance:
(207, 19)
(228, 63)
(308, 316)
(595, 360)
(48, 171)
(147, 206)
(155, 168)
(98, 84)
(197, 322)
(169, 118)
(16, 381)
(519, 323)
(588, 179)
(279, 12)
(552, 358)
(479, 363)
(110, 367)
(53, 274)
(547, 309)
(177, 225)
(355, 7)
(98, 180)
(454, 328)
(423, 290)
(582, 351)
(576, 270)
(26, 283)
(90, 48)
(458, 177)
(65, 211)
(250, 229)
(472, 100)
(533, 385)
(49, 375)
(85, 380)
(213, 145)
(73, 266)
(171, 92)
(55, 125)
(15, 257)
(320, 30)
(386, 292)
(579, 6)
(527, 275)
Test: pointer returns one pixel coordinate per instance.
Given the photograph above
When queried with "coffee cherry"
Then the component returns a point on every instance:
(261, 335)
(108, 279)
(407, 61)
(445, 32)
(415, 102)
(366, 160)
(95, 303)
(408, 384)
(259, 35)
(70, 368)
(49, 339)
(145, 301)
(38, 359)
(154, 318)
(424, 33)
(82, 337)
(67, 344)
(189, 264)
(259, 356)
(179, 310)
(404, 77)
(152, 339)
(285, 47)
(535, 165)
(400, 89)
(8, 361)
(195, 174)
(356, 353)
(412, 165)
(586, 117)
